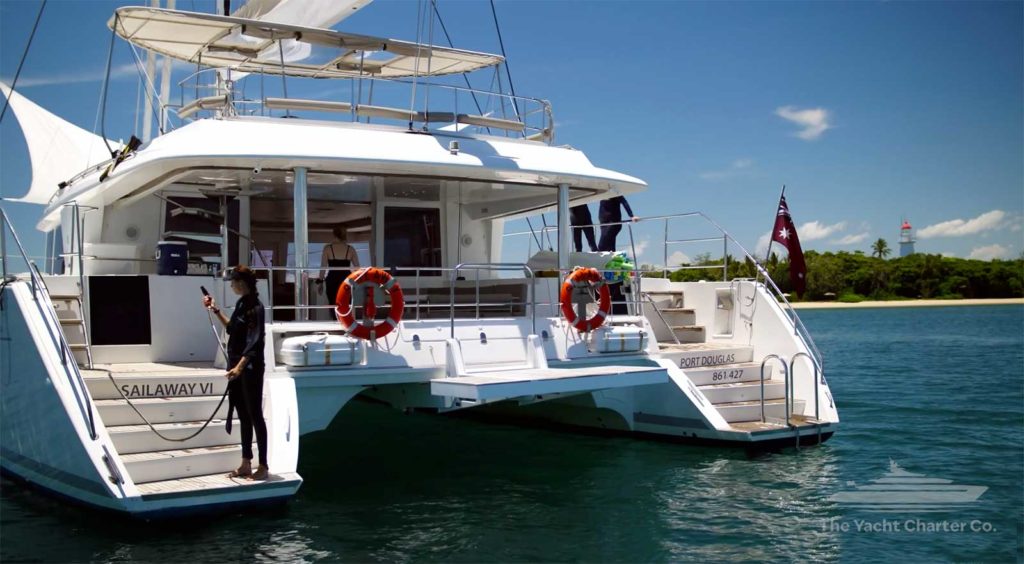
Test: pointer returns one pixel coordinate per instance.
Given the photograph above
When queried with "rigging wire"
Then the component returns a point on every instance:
(465, 76)
(416, 66)
(24, 55)
(149, 86)
(508, 71)
(106, 84)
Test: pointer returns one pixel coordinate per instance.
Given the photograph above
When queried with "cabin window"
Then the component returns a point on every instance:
(412, 238)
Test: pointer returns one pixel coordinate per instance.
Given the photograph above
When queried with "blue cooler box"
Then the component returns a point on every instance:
(172, 258)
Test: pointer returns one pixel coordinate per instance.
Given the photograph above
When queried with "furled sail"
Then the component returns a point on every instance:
(58, 149)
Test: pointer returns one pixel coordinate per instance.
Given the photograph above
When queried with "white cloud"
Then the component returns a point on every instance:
(641, 246)
(959, 227)
(126, 70)
(815, 230)
(677, 258)
(814, 121)
(989, 252)
(73, 77)
(852, 239)
(736, 168)
(762, 245)
(949, 254)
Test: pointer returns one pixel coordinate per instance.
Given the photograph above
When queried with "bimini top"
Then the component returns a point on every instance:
(250, 45)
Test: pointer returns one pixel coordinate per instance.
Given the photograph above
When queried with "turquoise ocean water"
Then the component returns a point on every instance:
(940, 391)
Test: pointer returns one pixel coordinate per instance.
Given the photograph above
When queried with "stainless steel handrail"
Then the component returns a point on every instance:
(785, 383)
(792, 372)
(74, 375)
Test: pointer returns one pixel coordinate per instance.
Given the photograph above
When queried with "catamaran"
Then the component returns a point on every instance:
(113, 383)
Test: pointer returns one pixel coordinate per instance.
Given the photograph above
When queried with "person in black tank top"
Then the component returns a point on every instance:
(337, 255)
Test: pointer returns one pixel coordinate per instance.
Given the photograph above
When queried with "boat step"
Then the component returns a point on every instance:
(70, 320)
(674, 316)
(217, 481)
(751, 410)
(689, 333)
(64, 297)
(674, 297)
(494, 386)
(185, 463)
(695, 355)
(743, 391)
(141, 385)
(728, 373)
(159, 410)
(131, 439)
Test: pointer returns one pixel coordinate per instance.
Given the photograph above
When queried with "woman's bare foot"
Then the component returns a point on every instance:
(261, 473)
(244, 470)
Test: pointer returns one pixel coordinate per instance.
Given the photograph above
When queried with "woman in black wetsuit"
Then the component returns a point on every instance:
(337, 254)
(245, 374)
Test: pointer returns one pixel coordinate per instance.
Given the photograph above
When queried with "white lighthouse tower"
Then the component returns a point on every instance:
(906, 239)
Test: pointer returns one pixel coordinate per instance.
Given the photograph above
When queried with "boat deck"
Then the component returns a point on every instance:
(170, 369)
(210, 482)
(772, 424)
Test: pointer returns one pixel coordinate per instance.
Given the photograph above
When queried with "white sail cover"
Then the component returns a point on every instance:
(58, 150)
(246, 45)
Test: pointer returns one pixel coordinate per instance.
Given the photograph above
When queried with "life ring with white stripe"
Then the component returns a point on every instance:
(590, 278)
(368, 280)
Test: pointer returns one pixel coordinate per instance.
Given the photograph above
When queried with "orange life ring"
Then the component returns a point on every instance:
(347, 315)
(585, 276)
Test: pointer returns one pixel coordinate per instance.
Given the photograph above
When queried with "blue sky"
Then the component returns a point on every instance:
(867, 111)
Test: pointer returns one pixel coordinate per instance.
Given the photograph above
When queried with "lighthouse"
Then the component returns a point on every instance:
(906, 239)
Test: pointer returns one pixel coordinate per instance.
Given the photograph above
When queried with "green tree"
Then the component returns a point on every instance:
(880, 249)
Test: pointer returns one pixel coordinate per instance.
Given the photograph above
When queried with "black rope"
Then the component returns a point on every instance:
(209, 420)
(24, 55)
(508, 72)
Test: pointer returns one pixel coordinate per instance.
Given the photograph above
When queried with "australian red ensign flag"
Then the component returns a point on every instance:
(785, 233)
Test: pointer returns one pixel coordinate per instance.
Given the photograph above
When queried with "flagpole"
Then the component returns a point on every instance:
(771, 239)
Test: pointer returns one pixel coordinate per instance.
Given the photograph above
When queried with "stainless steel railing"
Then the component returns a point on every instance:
(491, 267)
(530, 301)
(45, 308)
(534, 115)
(799, 329)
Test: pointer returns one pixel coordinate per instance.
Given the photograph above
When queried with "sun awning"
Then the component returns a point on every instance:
(250, 46)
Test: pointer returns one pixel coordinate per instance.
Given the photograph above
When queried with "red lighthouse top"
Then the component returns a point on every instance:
(906, 224)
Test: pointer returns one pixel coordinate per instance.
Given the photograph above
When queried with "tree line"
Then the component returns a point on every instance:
(855, 276)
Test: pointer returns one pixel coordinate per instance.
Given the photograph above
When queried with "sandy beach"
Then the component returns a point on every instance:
(907, 303)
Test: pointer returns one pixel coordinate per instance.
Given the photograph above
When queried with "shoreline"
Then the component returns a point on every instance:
(907, 303)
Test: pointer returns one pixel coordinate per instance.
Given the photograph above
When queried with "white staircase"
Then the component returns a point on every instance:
(66, 296)
(731, 381)
(176, 399)
(681, 321)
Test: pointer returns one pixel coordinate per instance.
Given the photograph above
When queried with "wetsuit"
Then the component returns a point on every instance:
(610, 212)
(582, 224)
(245, 393)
